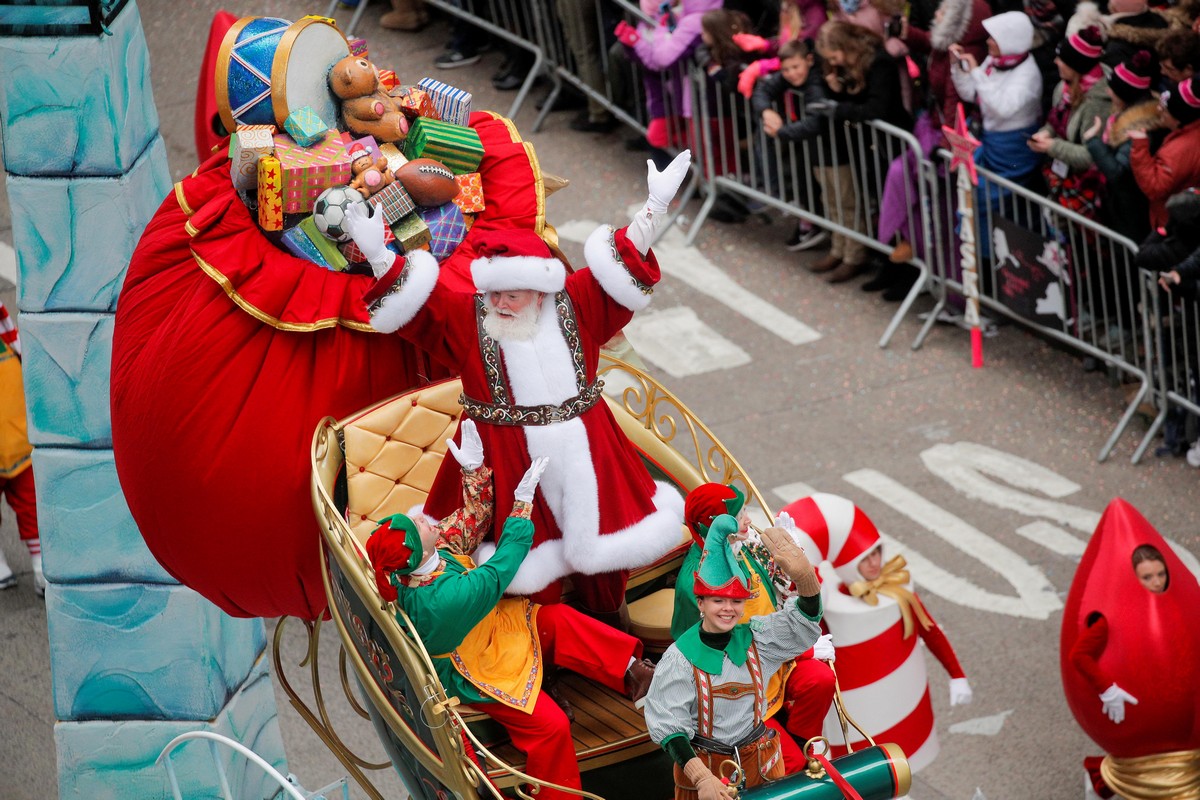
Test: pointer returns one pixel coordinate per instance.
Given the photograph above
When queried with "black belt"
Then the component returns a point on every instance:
(510, 414)
(720, 748)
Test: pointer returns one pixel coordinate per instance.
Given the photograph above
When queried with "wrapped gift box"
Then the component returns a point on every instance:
(411, 233)
(395, 158)
(395, 202)
(305, 126)
(327, 247)
(457, 147)
(452, 104)
(415, 103)
(446, 228)
(355, 256)
(388, 80)
(308, 171)
(470, 193)
(358, 47)
(247, 144)
(270, 199)
(296, 240)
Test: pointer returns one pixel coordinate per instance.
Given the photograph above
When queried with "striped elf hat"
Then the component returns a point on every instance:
(1081, 50)
(719, 573)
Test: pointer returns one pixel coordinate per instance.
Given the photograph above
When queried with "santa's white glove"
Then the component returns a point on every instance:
(823, 649)
(528, 485)
(960, 692)
(649, 219)
(365, 225)
(469, 454)
(1114, 699)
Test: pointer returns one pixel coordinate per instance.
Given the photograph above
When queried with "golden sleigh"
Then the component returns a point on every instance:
(383, 460)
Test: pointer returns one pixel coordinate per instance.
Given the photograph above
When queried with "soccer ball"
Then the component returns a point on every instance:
(329, 212)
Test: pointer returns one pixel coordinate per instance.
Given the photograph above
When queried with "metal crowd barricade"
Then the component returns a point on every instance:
(514, 21)
(1095, 302)
(1173, 335)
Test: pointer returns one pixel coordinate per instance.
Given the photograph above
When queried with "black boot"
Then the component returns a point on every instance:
(906, 276)
(884, 277)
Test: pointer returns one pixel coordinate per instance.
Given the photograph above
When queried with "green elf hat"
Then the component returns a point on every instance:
(719, 574)
(708, 501)
(395, 546)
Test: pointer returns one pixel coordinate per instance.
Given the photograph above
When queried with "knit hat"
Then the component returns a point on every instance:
(708, 501)
(719, 573)
(395, 546)
(1183, 102)
(1012, 30)
(1132, 78)
(516, 258)
(1081, 50)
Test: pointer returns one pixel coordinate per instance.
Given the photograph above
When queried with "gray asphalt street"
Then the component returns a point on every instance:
(894, 430)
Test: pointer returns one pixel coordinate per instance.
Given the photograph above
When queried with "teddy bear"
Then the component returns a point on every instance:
(367, 109)
(370, 174)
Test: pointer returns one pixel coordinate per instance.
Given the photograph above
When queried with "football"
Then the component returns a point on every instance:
(329, 211)
(430, 183)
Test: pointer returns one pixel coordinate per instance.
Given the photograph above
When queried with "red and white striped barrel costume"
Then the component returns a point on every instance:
(881, 672)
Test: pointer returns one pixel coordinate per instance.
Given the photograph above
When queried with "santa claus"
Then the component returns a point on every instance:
(527, 347)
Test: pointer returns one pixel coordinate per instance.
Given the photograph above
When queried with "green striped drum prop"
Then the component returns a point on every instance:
(877, 773)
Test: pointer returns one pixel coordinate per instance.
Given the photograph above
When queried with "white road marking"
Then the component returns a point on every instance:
(681, 344)
(8, 263)
(791, 492)
(1036, 598)
(982, 726)
(1053, 538)
(689, 266)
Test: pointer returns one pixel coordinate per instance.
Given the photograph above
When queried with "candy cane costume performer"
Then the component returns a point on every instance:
(881, 672)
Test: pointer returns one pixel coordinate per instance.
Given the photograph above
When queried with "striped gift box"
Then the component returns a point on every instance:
(247, 144)
(470, 193)
(298, 244)
(446, 228)
(411, 233)
(308, 171)
(395, 202)
(328, 248)
(388, 80)
(270, 202)
(457, 147)
(452, 104)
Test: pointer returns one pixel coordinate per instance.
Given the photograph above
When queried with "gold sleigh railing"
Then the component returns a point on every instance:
(391, 665)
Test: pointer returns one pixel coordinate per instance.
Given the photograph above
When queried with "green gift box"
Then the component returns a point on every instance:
(457, 147)
(326, 246)
(411, 233)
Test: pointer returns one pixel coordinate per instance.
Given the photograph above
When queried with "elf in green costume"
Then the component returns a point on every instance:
(802, 689)
(708, 699)
(490, 651)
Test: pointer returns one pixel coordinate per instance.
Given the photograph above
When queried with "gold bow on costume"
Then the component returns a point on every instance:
(891, 583)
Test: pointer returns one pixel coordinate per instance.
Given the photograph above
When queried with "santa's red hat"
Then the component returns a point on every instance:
(516, 258)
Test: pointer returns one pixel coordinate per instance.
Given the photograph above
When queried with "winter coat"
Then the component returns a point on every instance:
(879, 98)
(1070, 149)
(1126, 206)
(772, 92)
(660, 47)
(1176, 246)
(1173, 168)
(1008, 99)
(961, 23)
(1125, 34)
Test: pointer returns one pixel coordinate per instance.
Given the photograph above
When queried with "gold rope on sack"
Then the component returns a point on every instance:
(1162, 776)
(892, 582)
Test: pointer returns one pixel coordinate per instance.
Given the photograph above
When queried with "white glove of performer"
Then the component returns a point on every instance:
(365, 224)
(644, 227)
(785, 521)
(960, 692)
(469, 454)
(823, 649)
(1114, 699)
(528, 485)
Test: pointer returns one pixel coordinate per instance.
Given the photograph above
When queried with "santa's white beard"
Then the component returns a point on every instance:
(518, 327)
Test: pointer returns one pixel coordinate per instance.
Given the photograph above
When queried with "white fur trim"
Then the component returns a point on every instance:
(418, 512)
(637, 545)
(611, 274)
(507, 273)
(398, 308)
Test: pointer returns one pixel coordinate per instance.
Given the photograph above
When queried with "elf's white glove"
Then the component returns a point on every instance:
(785, 521)
(528, 485)
(1114, 699)
(823, 649)
(365, 225)
(960, 692)
(649, 219)
(469, 454)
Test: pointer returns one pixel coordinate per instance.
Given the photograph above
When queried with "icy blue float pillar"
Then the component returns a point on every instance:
(136, 658)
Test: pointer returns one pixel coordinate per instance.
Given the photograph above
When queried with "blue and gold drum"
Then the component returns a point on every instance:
(268, 67)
